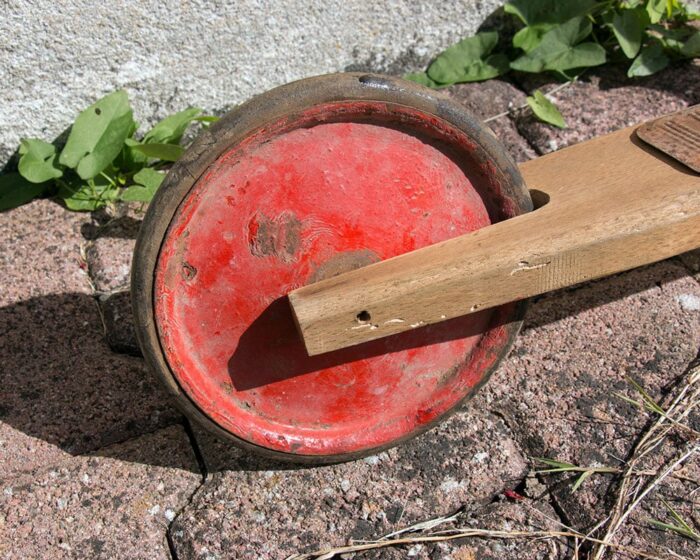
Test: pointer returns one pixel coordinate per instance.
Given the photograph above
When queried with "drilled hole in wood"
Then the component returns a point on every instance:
(539, 198)
(363, 317)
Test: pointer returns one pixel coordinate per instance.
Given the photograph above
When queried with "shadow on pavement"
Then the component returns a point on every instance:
(61, 383)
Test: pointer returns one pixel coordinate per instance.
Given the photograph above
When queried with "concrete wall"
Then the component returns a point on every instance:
(57, 57)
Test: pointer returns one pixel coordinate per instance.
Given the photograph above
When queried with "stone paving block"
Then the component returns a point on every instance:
(491, 98)
(109, 263)
(108, 255)
(40, 252)
(110, 249)
(116, 504)
(61, 389)
(118, 318)
(62, 385)
(556, 389)
(254, 508)
(555, 393)
(605, 100)
(528, 515)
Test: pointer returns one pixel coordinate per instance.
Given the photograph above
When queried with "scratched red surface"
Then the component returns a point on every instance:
(276, 212)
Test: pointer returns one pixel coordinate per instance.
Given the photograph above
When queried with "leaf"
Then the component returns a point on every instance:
(166, 152)
(531, 36)
(171, 129)
(130, 159)
(682, 528)
(421, 78)
(558, 466)
(628, 27)
(87, 196)
(38, 161)
(649, 402)
(537, 12)
(580, 479)
(147, 182)
(656, 10)
(468, 61)
(559, 50)
(97, 135)
(541, 16)
(691, 48)
(545, 110)
(672, 39)
(136, 193)
(676, 529)
(207, 119)
(15, 190)
(650, 60)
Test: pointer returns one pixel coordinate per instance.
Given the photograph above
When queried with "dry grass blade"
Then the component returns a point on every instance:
(631, 491)
(424, 525)
(628, 499)
(682, 528)
(461, 533)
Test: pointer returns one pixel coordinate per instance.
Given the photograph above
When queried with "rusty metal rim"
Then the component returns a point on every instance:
(237, 125)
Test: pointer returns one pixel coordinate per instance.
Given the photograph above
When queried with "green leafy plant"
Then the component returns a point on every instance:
(545, 110)
(103, 161)
(565, 37)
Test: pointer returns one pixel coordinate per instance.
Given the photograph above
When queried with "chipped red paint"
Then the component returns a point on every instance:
(302, 193)
(513, 495)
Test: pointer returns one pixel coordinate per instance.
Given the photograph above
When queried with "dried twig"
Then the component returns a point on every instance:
(461, 533)
(627, 499)
(630, 494)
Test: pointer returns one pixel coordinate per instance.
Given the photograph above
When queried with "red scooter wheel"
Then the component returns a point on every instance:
(304, 182)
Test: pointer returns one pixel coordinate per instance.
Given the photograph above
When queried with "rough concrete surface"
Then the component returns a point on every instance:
(59, 57)
(61, 389)
(271, 510)
(71, 509)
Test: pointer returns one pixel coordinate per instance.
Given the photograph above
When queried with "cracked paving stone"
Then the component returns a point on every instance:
(254, 508)
(108, 256)
(490, 98)
(110, 249)
(605, 100)
(557, 388)
(118, 317)
(116, 503)
(529, 515)
(61, 389)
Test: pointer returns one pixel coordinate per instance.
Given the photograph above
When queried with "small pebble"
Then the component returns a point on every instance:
(689, 302)
(414, 550)
(481, 456)
(449, 485)
(372, 460)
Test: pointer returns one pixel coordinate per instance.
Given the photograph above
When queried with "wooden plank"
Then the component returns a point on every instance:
(615, 204)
